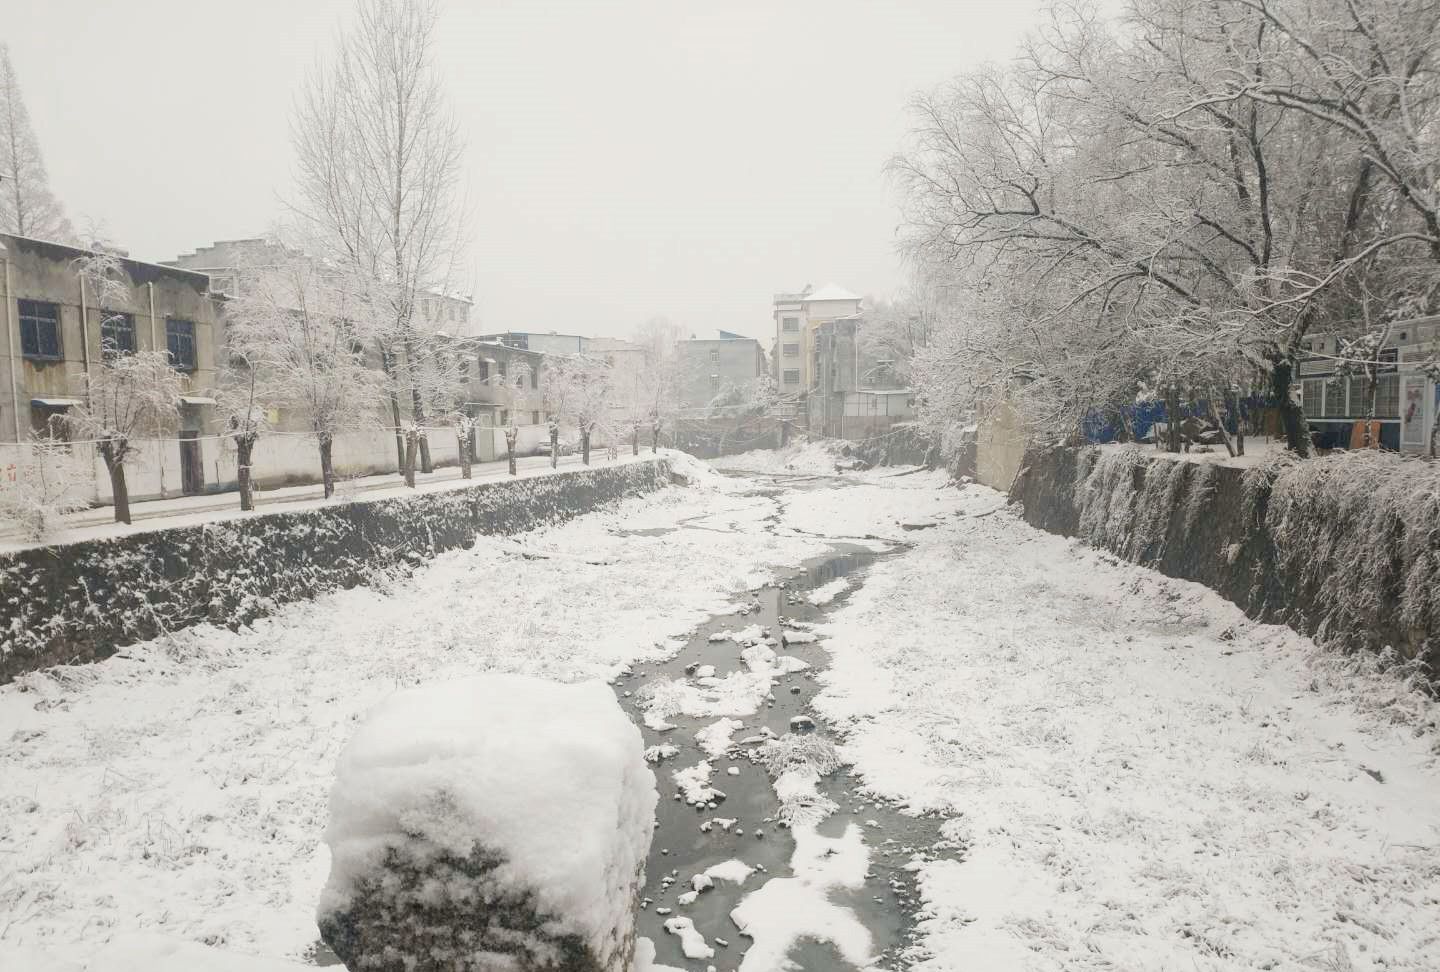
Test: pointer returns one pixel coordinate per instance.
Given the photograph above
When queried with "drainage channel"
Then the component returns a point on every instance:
(744, 824)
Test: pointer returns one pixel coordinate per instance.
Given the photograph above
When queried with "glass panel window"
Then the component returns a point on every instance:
(790, 350)
(1334, 397)
(180, 342)
(117, 333)
(40, 330)
(792, 376)
(534, 418)
(484, 370)
(1310, 396)
(500, 368)
(1387, 397)
(790, 323)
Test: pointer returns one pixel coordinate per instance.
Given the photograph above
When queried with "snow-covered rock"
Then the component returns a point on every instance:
(490, 818)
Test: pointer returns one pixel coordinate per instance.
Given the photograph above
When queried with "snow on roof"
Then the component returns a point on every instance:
(830, 292)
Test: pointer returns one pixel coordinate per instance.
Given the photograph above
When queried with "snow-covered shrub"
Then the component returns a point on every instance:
(797, 762)
(1357, 532)
(47, 481)
(495, 822)
(1106, 496)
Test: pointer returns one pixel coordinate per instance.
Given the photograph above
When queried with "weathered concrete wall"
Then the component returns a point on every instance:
(1343, 548)
(999, 448)
(80, 602)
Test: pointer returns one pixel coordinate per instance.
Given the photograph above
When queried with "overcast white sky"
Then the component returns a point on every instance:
(626, 159)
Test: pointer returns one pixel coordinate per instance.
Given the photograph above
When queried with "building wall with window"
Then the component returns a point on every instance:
(1406, 400)
(709, 368)
(797, 317)
(55, 338)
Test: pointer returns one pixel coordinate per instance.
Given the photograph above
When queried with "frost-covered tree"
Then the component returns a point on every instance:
(27, 205)
(303, 332)
(379, 156)
(125, 396)
(241, 409)
(1171, 198)
(657, 400)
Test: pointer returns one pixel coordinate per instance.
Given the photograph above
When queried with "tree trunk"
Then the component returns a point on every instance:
(1215, 414)
(119, 489)
(655, 438)
(327, 464)
(1239, 425)
(466, 460)
(244, 448)
(510, 453)
(387, 364)
(554, 447)
(585, 447)
(1172, 418)
(417, 413)
(1292, 415)
(635, 441)
(412, 444)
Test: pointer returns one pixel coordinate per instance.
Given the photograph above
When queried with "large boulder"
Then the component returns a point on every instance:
(489, 823)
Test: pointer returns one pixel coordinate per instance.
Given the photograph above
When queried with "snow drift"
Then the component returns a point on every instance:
(495, 822)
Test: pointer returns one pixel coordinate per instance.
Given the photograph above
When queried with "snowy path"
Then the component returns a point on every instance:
(1141, 778)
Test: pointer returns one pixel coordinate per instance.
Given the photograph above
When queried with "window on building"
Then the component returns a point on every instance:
(504, 416)
(1310, 396)
(714, 381)
(791, 376)
(40, 330)
(180, 342)
(534, 378)
(117, 334)
(1335, 398)
(714, 356)
(519, 379)
(790, 323)
(500, 368)
(1387, 397)
(484, 372)
(534, 418)
(790, 350)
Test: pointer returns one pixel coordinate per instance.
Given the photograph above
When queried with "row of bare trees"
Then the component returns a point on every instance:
(1178, 195)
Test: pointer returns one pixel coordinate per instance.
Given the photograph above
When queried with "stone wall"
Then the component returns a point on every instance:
(1343, 548)
(80, 602)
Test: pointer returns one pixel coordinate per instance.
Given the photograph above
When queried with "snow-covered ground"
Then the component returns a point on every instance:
(1143, 779)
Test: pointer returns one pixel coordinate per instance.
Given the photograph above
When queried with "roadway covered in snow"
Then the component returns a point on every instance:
(1127, 772)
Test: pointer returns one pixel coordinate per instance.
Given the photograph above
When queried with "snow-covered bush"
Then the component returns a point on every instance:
(496, 822)
(47, 481)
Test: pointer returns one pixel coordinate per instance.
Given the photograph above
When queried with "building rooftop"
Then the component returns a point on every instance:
(830, 292)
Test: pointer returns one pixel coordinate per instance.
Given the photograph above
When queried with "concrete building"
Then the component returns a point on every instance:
(55, 332)
(797, 315)
(234, 265)
(855, 394)
(549, 342)
(719, 371)
(1407, 401)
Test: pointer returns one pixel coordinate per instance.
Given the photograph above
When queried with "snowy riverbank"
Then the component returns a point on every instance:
(1141, 778)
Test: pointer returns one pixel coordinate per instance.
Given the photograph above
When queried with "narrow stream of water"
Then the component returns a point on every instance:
(685, 846)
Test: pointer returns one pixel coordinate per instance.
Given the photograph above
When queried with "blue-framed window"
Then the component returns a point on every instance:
(40, 330)
(180, 342)
(117, 333)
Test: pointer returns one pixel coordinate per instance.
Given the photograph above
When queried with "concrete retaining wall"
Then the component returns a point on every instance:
(1343, 548)
(80, 602)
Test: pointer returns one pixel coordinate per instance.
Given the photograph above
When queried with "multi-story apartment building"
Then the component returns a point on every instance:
(722, 368)
(58, 332)
(797, 316)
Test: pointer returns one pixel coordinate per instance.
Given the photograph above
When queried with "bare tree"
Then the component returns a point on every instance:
(126, 395)
(27, 205)
(303, 334)
(378, 176)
